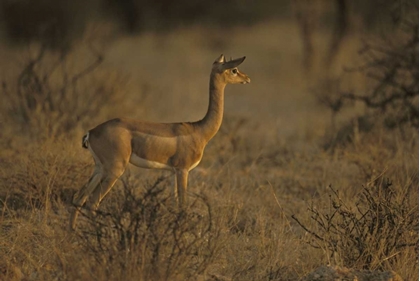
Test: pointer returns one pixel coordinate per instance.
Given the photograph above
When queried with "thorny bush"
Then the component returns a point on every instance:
(50, 98)
(371, 233)
(144, 236)
(391, 66)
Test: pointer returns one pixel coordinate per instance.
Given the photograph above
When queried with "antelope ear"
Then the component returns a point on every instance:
(233, 63)
(220, 59)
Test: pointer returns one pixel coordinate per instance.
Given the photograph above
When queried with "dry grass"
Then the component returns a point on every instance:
(268, 162)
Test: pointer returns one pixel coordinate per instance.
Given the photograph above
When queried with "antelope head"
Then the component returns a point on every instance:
(228, 72)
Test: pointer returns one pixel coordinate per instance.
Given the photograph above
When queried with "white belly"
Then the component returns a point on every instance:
(194, 165)
(144, 163)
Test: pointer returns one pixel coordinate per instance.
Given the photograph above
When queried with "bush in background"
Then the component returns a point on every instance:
(50, 98)
(390, 65)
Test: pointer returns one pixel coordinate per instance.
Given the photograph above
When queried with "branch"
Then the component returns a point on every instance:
(307, 230)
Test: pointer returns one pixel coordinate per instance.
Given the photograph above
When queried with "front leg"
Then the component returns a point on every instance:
(181, 186)
(174, 192)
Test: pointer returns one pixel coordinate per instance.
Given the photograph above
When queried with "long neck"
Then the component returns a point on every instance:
(211, 123)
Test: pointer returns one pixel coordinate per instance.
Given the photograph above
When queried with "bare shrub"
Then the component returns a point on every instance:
(392, 64)
(143, 237)
(372, 232)
(390, 67)
(50, 98)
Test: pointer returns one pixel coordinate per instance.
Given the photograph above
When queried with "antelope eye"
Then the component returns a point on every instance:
(234, 71)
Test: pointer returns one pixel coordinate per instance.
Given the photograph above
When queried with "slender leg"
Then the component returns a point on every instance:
(102, 190)
(182, 181)
(175, 193)
(80, 197)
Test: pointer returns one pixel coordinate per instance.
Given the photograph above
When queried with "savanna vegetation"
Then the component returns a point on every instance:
(316, 162)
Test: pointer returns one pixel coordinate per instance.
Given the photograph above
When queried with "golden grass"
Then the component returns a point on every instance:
(267, 163)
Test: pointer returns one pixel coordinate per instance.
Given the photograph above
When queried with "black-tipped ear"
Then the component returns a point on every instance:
(220, 59)
(233, 63)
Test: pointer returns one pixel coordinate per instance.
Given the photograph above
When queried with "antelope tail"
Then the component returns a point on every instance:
(85, 141)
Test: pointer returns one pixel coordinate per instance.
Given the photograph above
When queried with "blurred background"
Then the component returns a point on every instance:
(320, 149)
(151, 59)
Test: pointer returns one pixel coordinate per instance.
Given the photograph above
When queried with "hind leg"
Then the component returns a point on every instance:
(111, 153)
(106, 184)
(80, 197)
(101, 191)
